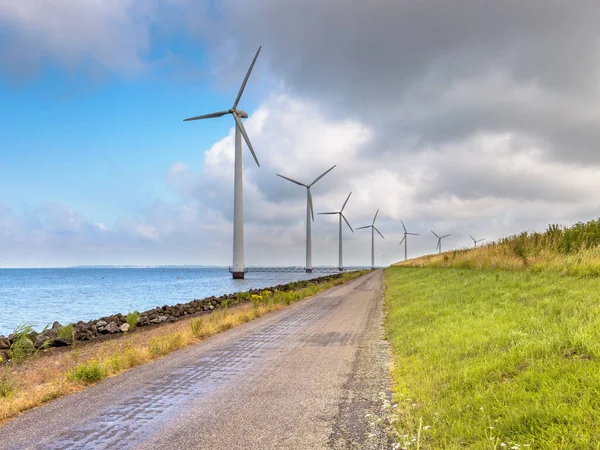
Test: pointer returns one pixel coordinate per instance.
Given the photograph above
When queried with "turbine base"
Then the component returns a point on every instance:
(341, 269)
(309, 270)
(237, 275)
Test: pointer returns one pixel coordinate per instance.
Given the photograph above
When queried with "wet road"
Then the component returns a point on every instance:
(304, 377)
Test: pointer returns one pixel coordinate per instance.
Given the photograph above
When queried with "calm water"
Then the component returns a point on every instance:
(41, 296)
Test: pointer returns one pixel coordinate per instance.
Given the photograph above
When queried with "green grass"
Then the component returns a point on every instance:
(486, 358)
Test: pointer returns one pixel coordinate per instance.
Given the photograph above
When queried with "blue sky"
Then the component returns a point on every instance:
(87, 143)
(465, 118)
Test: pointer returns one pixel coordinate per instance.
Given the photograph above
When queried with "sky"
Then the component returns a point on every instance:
(462, 117)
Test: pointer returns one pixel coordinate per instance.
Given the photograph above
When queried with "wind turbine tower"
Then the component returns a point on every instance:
(373, 230)
(405, 240)
(439, 243)
(475, 241)
(237, 269)
(341, 214)
(309, 215)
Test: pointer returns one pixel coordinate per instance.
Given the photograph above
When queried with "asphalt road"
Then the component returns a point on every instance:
(304, 377)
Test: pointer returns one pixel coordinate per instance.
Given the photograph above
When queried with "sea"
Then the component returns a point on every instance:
(39, 297)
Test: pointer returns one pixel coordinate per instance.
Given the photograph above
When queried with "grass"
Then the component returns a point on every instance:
(573, 251)
(42, 378)
(489, 359)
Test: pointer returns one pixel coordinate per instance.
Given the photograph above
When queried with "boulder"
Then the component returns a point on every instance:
(60, 342)
(4, 343)
(159, 319)
(112, 328)
(101, 323)
(56, 325)
(41, 340)
(124, 328)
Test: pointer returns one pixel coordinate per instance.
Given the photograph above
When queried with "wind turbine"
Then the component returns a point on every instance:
(238, 207)
(439, 244)
(475, 241)
(309, 214)
(373, 230)
(405, 240)
(341, 214)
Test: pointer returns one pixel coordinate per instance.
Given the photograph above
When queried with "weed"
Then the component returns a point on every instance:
(256, 300)
(8, 387)
(196, 325)
(22, 346)
(87, 373)
(132, 319)
(66, 332)
(162, 345)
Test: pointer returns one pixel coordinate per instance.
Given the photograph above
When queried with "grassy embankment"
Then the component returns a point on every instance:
(494, 359)
(571, 251)
(41, 378)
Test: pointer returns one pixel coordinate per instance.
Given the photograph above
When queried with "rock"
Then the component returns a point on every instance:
(60, 342)
(124, 328)
(56, 325)
(5, 355)
(41, 340)
(112, 328)
(101, 323)
(51, 333)
(159, 319)
(4, 343)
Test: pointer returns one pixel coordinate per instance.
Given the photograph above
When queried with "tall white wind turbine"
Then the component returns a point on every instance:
(405, 240)
(237, 269)
(341, 214)
(373, 230)
(439, 243)
(310, 215)
(476, 241)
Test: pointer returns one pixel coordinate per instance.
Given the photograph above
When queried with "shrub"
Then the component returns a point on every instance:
(132, 319)
(88, 372)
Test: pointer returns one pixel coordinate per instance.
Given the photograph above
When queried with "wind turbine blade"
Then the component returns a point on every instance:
(402, 240)
(434, 234)
(239, 96)
(322, 175)
(375, 228)
(472, 238)
(329, 213)
(293, 181)
(445, 236)
(375, 218)
(240, 125)
(403, 226)
(310, 203)
(344, 205)
(413, 234)
(347, 223)
(368, 226)
(207, 116)
(438, 244)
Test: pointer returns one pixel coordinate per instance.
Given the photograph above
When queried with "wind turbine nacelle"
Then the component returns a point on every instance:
(241, 113)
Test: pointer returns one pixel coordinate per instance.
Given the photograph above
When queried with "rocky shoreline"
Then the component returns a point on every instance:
(117, 323)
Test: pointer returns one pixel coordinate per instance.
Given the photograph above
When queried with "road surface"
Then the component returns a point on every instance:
(304, 377)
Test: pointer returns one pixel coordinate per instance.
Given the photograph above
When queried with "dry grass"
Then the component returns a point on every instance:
(45, 377)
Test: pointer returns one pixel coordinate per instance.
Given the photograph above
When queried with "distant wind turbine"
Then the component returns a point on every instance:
(439, 244)
(309, 214)
(475, 241)
(341, 214)
(373, 230)
(238, 208)
(405, 240)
